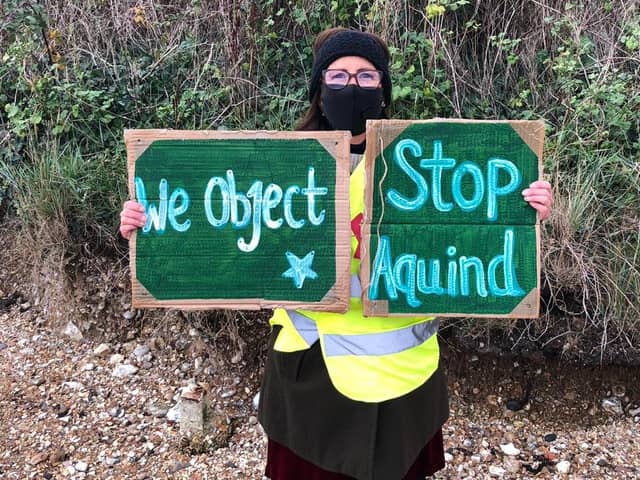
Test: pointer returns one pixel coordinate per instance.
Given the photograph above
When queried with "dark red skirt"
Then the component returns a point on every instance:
(283, 464)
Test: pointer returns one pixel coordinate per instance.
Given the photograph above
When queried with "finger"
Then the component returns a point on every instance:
(544, 214)
(132, 225)
(126, 232)
(541, 199)
(541, 184)
(537, 191)
(539, 206)
(543, 210)
(133, 217)
(133, 205)
(541, 195)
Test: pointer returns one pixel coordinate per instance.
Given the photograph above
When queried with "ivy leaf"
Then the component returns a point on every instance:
(11, 109)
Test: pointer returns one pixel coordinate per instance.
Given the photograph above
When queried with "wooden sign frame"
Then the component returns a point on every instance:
(336, 144)
(380, 135)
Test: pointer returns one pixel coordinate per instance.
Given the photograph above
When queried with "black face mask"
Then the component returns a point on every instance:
(351, 107)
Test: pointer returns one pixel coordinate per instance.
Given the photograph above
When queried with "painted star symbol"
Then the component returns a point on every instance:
(300, 268)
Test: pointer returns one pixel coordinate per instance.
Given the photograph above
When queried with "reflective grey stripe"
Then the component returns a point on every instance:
(356, 288)
(305, 327)
(383, 343)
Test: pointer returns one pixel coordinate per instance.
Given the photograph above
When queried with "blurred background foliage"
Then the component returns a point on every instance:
(74, 74)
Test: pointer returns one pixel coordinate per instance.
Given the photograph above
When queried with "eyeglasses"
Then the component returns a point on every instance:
(338, 79)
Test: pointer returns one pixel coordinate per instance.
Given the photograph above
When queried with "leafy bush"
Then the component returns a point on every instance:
(74, 74)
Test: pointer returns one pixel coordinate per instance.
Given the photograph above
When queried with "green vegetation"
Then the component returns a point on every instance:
(74, 74)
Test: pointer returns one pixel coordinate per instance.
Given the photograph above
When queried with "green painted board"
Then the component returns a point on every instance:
(446, 230)
(242, 220)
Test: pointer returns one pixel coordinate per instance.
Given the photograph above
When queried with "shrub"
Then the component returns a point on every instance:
(73, 75)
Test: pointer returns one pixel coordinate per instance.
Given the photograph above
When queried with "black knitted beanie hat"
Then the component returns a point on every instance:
(350, 42)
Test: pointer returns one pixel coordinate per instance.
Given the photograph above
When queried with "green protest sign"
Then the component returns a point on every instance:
(446, 230)
(242, 220)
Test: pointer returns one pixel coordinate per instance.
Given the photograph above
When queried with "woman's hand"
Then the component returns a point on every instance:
(540, 197)
(132, 217)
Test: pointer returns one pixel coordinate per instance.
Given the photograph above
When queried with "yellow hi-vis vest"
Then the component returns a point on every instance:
(369, 359)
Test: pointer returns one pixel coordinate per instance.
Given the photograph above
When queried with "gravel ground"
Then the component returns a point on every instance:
(77, 406)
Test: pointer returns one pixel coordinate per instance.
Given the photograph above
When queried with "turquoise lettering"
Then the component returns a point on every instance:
(271, 198)
(437, 164)
(407, 274)
(234, 197)
(256, 207)
(433, 287)
(311, 191)
(393, 196)
(493, 167)
(288, 205)
(156, 216)
(254, 192)
(382, 266)
(478, 186)
(208, 208)
(511, 287)
(404, 275)
(452, 277)
(181, 194)
(465, 265)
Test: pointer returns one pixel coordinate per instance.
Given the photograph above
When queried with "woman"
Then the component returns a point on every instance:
(375, 415)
